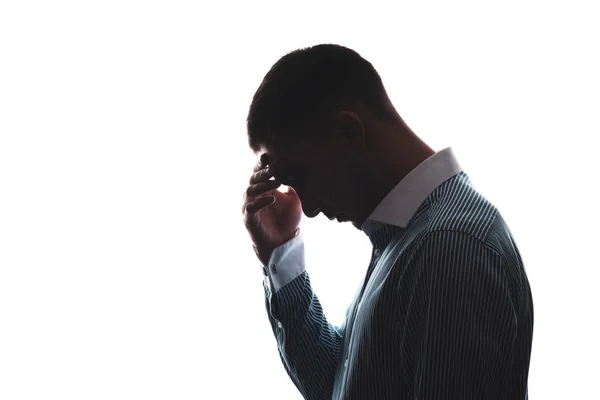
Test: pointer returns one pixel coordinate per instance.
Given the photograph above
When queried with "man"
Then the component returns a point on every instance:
(445, 310)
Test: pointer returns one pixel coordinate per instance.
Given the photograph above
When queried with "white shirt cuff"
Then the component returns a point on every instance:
(286, 263)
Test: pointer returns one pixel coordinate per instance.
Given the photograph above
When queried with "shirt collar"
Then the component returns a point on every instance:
(400, 205)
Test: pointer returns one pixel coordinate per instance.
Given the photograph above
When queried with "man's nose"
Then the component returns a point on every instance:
(309, 208)
(309, 205)
(312, 213)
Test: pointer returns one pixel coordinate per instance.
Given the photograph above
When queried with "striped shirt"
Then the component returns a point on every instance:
(444, 312)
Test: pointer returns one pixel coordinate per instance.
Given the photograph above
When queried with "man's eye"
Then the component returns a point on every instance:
(288, 181)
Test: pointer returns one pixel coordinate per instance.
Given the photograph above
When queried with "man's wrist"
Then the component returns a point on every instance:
(265, 255)
(262, 256)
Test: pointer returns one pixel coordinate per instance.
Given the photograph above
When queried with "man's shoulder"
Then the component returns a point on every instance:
(450, 214)
(457, 207)
(455, 215)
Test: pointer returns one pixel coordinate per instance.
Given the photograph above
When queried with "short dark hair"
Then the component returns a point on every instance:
(306, 86)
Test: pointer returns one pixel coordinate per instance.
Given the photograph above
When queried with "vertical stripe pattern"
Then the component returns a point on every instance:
(444, 312)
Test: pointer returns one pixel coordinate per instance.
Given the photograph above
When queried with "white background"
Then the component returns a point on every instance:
(125, 269)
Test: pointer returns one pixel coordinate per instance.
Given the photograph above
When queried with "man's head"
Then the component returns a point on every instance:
(324, 119)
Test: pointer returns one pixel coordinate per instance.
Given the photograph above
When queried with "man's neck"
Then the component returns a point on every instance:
(398, 158)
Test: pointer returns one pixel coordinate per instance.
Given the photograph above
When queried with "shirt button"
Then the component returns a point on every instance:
(377, 252)
(346, 363)
(279, 325)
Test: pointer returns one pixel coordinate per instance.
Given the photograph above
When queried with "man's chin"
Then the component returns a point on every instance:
(344, 218)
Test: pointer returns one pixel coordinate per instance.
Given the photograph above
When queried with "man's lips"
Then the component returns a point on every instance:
(340, 216)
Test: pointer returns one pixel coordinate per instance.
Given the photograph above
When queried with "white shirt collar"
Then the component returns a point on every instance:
(400, 205)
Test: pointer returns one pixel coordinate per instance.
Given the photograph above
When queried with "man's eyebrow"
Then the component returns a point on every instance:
(280, 173)
(275, 167)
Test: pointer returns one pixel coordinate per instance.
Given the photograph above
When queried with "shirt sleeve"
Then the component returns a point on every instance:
(462, 322)
(309, 346)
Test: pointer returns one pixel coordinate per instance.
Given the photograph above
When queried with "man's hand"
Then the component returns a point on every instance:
(270, 216)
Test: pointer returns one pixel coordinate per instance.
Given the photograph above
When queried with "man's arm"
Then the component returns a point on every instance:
(308, 345)
(462, 319)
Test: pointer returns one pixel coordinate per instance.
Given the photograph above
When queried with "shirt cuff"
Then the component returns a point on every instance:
(286, 263)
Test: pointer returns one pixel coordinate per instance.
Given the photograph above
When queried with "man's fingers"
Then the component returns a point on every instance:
(262, 162)
(260, 184)
(258, 204)
(254, 191)
(260, 176)
(261, 188)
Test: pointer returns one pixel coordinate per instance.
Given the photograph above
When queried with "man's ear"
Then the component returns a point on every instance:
(351, 129)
